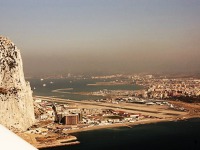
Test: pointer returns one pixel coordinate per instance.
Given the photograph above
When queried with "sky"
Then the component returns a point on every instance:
(104, 36)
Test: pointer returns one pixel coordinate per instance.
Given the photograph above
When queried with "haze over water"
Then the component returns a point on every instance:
(104, 36)
(107, 37)
(73, 86)
(173, 135)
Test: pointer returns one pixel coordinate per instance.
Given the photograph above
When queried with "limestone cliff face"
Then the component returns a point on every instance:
(16, 102)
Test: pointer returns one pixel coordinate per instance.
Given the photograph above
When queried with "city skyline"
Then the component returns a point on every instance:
(108, 36)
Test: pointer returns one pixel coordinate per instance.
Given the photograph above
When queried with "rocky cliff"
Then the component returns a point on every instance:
(16, 102)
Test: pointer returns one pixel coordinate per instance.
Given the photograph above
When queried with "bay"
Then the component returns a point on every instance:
(77, 85)
(180, 135)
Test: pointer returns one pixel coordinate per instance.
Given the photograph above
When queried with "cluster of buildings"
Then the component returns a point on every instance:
(108, 76)
(60, 113)
(110, 116)
(106, 92)
(165, 88)
(156, 89)
(72, 115)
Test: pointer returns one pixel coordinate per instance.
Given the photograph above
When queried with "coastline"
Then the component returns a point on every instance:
(57, 145)
(108, 83)
(130, 125)
(167, 116)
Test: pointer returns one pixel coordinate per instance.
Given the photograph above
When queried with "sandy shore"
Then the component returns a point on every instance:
(57, 144)
(72, 140)
(130, 125)
(48, 141)
(157, 113)
(161, 113)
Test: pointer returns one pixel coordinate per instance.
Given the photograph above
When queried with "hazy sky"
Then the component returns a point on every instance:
(83, 36)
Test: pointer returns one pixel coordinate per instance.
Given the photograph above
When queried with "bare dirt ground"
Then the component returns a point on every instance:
(193, 109)
(158, 114)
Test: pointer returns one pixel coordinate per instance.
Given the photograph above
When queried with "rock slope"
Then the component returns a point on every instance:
(16, 102)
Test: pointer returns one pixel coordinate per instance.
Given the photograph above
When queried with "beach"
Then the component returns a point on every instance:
(73, 95)
(181, 134)
(157, 113)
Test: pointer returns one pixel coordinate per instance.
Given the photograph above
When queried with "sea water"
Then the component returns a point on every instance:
(76, 85)
(180, 135)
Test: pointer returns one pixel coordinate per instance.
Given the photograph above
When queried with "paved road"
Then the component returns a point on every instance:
(156, 111)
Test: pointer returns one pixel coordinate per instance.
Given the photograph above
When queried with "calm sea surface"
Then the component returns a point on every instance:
(180, 135)
(77, 85)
